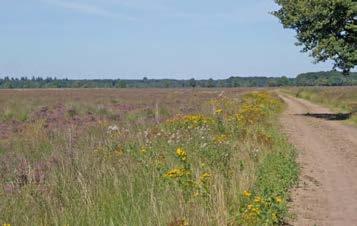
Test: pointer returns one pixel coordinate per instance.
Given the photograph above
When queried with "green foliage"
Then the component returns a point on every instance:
(328, 29)
(331, 78)
(260, 210)
(277, 173)
(266, 204)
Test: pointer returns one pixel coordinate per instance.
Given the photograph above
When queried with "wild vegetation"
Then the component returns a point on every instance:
(143, 157)
(340, 99)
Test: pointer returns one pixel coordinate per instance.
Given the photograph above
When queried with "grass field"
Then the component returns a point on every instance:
(340, 99)
(143, 157)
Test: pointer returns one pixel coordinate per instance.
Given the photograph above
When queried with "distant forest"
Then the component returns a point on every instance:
(331, 78)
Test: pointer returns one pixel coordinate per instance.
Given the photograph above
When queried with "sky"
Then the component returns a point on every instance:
(152, 38)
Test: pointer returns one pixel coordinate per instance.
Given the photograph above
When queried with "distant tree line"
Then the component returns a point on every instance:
(331, 78)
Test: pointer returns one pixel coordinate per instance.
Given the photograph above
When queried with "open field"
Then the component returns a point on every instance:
(143, 157)
(338, 99)
(79, 108)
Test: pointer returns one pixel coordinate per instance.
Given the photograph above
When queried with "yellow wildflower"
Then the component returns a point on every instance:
(176, 172)
(250, 114)
(258, 199)
(256, 210)
(181, 153)
(184, 222)
(218, 111)
(246, 194)
(204, 177)
(278, 199)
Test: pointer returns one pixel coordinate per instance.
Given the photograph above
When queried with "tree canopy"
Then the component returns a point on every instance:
(326, 28)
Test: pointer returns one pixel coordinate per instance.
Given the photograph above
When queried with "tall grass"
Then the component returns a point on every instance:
(341, 99)
(225, 165)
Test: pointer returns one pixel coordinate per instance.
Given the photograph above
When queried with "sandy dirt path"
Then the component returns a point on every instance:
(327, 153)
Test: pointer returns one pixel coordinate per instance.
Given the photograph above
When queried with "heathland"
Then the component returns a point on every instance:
(143, 157)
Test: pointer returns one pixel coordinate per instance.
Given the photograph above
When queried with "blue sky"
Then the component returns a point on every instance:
(154, 38)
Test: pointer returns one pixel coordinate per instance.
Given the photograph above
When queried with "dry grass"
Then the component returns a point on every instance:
(340, 99)
(112, 157)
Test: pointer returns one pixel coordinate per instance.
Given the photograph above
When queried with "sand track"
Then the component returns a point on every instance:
(327, 190)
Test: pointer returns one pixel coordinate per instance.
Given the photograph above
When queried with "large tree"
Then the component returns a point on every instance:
(325, 28)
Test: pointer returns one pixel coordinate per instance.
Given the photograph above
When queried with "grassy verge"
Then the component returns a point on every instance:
(226, 165)
(340, 99)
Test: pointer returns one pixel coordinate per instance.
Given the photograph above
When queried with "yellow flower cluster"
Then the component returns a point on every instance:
(181, 153)
(274, 217)
(261, 97)
(250, 114)
(183, 222)
(258, 199)
(196, 119)
(258, 209)
(176, 172)
(256, 107)
(278, 199)
(253, 210)
(246, 194)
